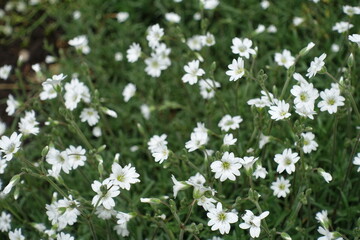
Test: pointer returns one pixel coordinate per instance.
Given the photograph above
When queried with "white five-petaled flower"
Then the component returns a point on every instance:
(356, 161)
(220, 219)
(309, 143)
(226, 168)
(105, 192)
(89, 115)
(133, 53)
(316, 65)
(16, 235)
(281, 187)
(331, 100)
(197, 140)
(260, 172)
(5, 222)
(228, 122)
(253, 222)
(242, 47)
(178, 185)
(342, 26)
(284, 59)
(55, 80)
(229, 140)
(280, 110)
(124, 176)
(5, 71)
(237, 69)
(286, 161)
(10, 146)
(355, 38)
(129, 91)
(12, 105)
(193, 71)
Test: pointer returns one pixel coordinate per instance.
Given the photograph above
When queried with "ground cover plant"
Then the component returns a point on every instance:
(179, 119)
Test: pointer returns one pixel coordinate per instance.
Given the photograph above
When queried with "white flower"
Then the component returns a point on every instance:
(297, 21)
(122, 16)
(64, 236)
(16, 235)
(220, 219)
(58, 160)
(124, 176)
(118, 56)
(76, 14)
(260, 172)
(210, 4)
(327, 176)
(350, 10)
(237, 69)
(226, 168)
(262, 102)
(63, 212)
(322, 218)
(2, 128)
(286, 161)
(12, 105)
(76, 156)
(10, 146)
(5, 222)
(206, 203)
(229, 140)
(76, 91)
(253, 222)
(248, 162)
(327, 235)
(264, 4)
(284, 59)
(208, 39)
(341, 27)
(157, 141)
(5, 72)
(281, 187)
(178, 185)
(207, 88)
(89, 115)
(263, 140)
(80, 43)
(160, 154)
(305, 95)
(193, 71)
(96, 131)
(197, 140)
(228, 122)
(133, 53)
(309, 143)
(129, 91)
(145, 111)
(356, 161)
(280, 110)
(105, 192)
(355, 38)
(28, 124)
(48, 92)
(316, 65)
(242, 47)
(271, 29)
(195, 43)
(3, 166)
(55, 80)
(154, 35)
(154, 65)
(172, 17)
(104, 213)
(331, 100)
